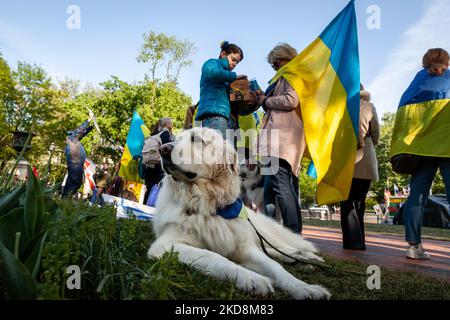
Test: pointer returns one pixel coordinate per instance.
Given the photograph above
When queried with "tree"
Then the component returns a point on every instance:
(31, 99)
(307, 185)
(159, 48)
(6, 99)
(113, 106)
(70, 88)
(28, 98)
(179, 58)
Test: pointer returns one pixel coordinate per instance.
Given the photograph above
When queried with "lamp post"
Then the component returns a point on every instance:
(48, 168)
(21, 144)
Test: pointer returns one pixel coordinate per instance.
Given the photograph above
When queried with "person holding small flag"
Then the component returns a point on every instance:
(75, 157)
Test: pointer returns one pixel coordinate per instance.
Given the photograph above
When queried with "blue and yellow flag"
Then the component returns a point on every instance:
(422, 122)
(326, 78)
(133, 147)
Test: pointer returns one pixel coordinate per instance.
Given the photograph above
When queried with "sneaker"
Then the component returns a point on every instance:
(417, 252)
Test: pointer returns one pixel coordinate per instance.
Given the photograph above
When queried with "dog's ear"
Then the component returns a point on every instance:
(236, 166)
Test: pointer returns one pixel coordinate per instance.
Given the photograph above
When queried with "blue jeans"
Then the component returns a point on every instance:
(74, 179)
(218, 123)
(279, 188)
(420, 189)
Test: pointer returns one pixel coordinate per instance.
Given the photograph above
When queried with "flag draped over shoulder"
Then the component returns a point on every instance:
(135, 142)
(422, 121)
(326, 78)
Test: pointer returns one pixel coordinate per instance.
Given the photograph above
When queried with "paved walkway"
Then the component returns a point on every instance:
(383, 250)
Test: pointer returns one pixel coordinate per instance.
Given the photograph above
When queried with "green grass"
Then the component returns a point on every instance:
(112, 256)
(394, 284)
(427, 233)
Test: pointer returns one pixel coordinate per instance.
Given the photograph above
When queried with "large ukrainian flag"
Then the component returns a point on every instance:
(133, 147)
(422, 122)
(326, 78)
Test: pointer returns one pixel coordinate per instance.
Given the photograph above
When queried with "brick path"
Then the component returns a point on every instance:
(384, 250)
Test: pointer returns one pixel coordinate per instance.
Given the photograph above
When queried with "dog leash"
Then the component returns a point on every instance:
(297, 259)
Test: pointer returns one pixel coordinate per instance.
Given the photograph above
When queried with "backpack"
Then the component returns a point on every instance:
(150, 151)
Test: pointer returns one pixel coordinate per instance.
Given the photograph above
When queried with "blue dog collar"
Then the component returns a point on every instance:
(233, 210)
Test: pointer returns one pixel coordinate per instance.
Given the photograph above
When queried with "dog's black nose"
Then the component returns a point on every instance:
(166, 150)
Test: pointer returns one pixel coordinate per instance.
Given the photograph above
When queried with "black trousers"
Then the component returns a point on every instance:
(352, 215)
(279, 188)
(152, 176)
(74, 180)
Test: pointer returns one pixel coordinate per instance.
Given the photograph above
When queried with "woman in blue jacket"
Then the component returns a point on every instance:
(214, 106)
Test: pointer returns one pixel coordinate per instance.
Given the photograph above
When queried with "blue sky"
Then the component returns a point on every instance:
(111, 35)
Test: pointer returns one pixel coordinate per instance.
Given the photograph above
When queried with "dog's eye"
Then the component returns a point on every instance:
(195, 138)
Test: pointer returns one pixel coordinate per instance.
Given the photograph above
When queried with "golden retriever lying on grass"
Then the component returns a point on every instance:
(202, 186)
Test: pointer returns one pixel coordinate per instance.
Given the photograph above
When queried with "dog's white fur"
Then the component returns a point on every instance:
(229, 249)
(251, 180)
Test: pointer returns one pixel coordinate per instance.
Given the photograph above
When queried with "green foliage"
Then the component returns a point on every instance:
(159, 49)
(7, 93)
(24, 217)
(112, 255)
(386, 175)
(307, 186)
(113, 106)
(28, 96)
(32, 98)
(370, 202)
(56, 110)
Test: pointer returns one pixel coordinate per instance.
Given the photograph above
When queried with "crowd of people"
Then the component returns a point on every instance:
(282, 112)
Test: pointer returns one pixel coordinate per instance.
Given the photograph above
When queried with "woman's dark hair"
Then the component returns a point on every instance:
(436, 61)
(231, 48)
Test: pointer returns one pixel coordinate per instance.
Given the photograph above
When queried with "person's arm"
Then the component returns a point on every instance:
(213, 72)
(80, 132)
(287, 101)
(85, 132)
(374, 126)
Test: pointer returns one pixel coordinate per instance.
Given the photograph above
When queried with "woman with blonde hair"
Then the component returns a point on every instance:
(366, 171)
(421, 143)
(163, 124)
(282, 117)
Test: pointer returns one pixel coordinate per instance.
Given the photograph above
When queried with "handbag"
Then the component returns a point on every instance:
(152, 197)
(405, 163)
